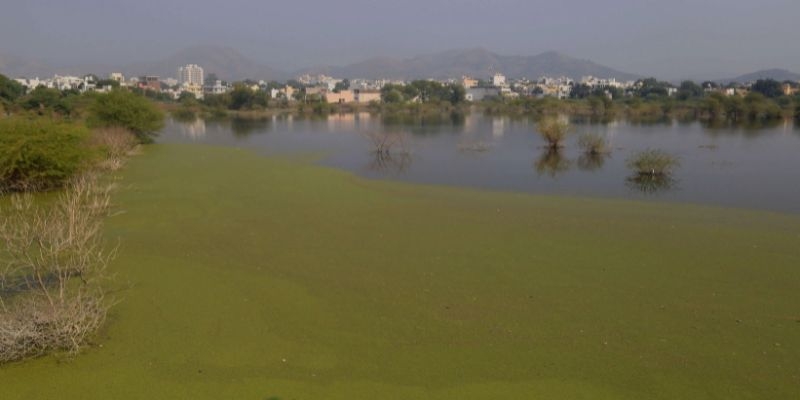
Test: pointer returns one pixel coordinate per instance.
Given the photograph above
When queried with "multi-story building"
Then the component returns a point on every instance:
(191, 74)
(150, 83)
(499, 80)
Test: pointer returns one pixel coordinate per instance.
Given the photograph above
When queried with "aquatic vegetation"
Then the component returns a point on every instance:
(553, 131)
(593, 144)
(297, 281)
(653, 162)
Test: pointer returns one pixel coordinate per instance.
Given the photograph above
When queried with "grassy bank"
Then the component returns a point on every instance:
(248, 277)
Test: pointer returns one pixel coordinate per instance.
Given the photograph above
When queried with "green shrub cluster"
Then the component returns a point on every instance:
(38, 154)
(123, 109)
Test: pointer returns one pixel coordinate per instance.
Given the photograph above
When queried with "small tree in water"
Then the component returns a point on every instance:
(553, 131)
(653, 162)
(593, 144)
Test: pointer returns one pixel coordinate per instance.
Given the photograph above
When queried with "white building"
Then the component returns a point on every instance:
(191, 74)
(117, 76)
(499, 80)
(216, 88)
(480, 93)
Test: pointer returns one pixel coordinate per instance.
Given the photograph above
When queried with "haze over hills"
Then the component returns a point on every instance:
(475, 62)
(229, 64)
(16, 66)
(777, 74)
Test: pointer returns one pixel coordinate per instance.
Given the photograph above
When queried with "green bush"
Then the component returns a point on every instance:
(38, 154)
(10, 90)
(124, 109)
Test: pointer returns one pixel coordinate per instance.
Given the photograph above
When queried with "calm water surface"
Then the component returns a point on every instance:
(750, 167)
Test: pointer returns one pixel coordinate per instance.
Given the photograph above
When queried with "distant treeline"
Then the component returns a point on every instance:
(651, 99)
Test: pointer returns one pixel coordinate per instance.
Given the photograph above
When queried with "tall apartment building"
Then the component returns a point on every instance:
(191, 74)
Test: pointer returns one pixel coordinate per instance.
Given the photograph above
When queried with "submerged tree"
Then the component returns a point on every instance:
(652, 170)
(653, 162)
(593, 144)
(390, 152)
(553, 131)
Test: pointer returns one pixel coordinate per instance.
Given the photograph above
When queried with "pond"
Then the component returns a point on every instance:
(735, 166)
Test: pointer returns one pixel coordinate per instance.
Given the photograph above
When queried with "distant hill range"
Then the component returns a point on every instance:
(777, 74)
(229, 64)
(225, 62)
(15, 66)
(478, 63)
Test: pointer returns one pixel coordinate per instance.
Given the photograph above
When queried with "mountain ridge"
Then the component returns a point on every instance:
(476, 62)
(230, 64)
(778, 74)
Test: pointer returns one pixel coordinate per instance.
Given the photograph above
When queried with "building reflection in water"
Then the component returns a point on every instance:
(348, 121)
(194, 129)
(498, 127)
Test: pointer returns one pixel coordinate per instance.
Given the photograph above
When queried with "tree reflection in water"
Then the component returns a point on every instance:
(552, 162)
(390, 152)
(651, 184)
(389, 163)
(592, 162)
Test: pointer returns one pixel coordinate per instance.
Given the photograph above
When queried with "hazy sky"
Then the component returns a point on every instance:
(667, 38)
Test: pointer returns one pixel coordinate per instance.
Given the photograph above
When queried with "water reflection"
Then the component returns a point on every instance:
(592, 161)
(195, 129)
(348, 120)
(747, 128)
(725, 165)
(651, 184)
(426, 123)
(242, 127)
(498, 127)
(389, 163)
(552, 163)
(474, 146)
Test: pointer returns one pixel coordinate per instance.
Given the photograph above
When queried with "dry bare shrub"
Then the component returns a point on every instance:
(117, 144)
(387, 142)
(53, 271)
